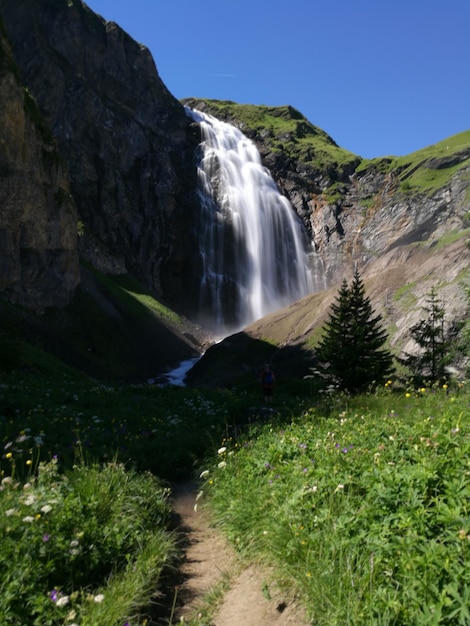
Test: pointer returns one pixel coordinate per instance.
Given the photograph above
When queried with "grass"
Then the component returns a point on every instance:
(87, 546)
(286, 130)
(364, 503)
(361, 504)
(428, 169)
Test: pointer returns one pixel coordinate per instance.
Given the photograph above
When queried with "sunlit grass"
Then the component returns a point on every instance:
(86, 547)
(364, 503)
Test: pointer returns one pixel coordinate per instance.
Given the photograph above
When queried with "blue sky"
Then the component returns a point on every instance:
(381, 77)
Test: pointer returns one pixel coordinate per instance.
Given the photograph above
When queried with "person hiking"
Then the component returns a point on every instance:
(267, 383)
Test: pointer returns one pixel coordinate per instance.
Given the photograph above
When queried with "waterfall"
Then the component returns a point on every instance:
(255, 254)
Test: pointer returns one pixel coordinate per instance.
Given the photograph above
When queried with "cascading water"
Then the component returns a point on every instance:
(255, 254)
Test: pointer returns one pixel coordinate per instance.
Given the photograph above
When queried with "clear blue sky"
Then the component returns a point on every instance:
(380, 76)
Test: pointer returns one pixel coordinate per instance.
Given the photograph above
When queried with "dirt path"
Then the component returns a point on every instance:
(250, 599)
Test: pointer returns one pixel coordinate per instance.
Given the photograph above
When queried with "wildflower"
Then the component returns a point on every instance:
(10, 512)
(8, 455)
(46, 508)
(7, 480)
(63, 601)
(30, 500)
(339, 487)
(407, 395)
(54, 595)
(204, 474)
(28, 519)
(222, 464)
(99, 598)
(46, 538)
(221, 450)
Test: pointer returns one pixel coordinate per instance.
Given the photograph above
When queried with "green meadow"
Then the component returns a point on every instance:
(360, 504)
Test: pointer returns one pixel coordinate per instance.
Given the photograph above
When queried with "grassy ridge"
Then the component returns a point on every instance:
(284, 130)
(114, 330)
(428, 169)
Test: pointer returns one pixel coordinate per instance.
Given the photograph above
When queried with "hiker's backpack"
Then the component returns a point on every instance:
(268, 378)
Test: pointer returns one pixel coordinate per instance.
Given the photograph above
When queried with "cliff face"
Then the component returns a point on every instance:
(127, 142)
(38, 219)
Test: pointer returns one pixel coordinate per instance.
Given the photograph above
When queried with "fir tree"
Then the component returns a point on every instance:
(351, 351)
(434, 342)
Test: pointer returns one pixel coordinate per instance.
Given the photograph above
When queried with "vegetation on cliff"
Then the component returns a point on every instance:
(427, 169)
(283, 131)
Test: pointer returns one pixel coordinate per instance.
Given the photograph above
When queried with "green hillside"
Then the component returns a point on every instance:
(427, 169)
(283, 129)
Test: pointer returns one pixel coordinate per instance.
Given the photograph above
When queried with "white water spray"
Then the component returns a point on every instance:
(256, 256)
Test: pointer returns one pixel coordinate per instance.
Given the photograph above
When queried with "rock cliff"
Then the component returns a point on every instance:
(127, 141)
(38, 219)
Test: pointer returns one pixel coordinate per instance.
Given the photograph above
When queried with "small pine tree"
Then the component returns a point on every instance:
(351, 351)
(434, 342)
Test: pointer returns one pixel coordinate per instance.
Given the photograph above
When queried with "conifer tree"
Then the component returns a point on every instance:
(434, 342)
(351, 351)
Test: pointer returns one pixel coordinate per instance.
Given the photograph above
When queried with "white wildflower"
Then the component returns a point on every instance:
(204, 474)
(63, 601)
(28, 519)
(222, 464)
(221, 450)
(99, 598)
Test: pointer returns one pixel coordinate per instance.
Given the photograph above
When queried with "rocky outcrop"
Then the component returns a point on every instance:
(38, 219)
(127, 141)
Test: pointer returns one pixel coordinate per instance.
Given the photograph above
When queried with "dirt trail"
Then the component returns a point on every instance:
(208, 560)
